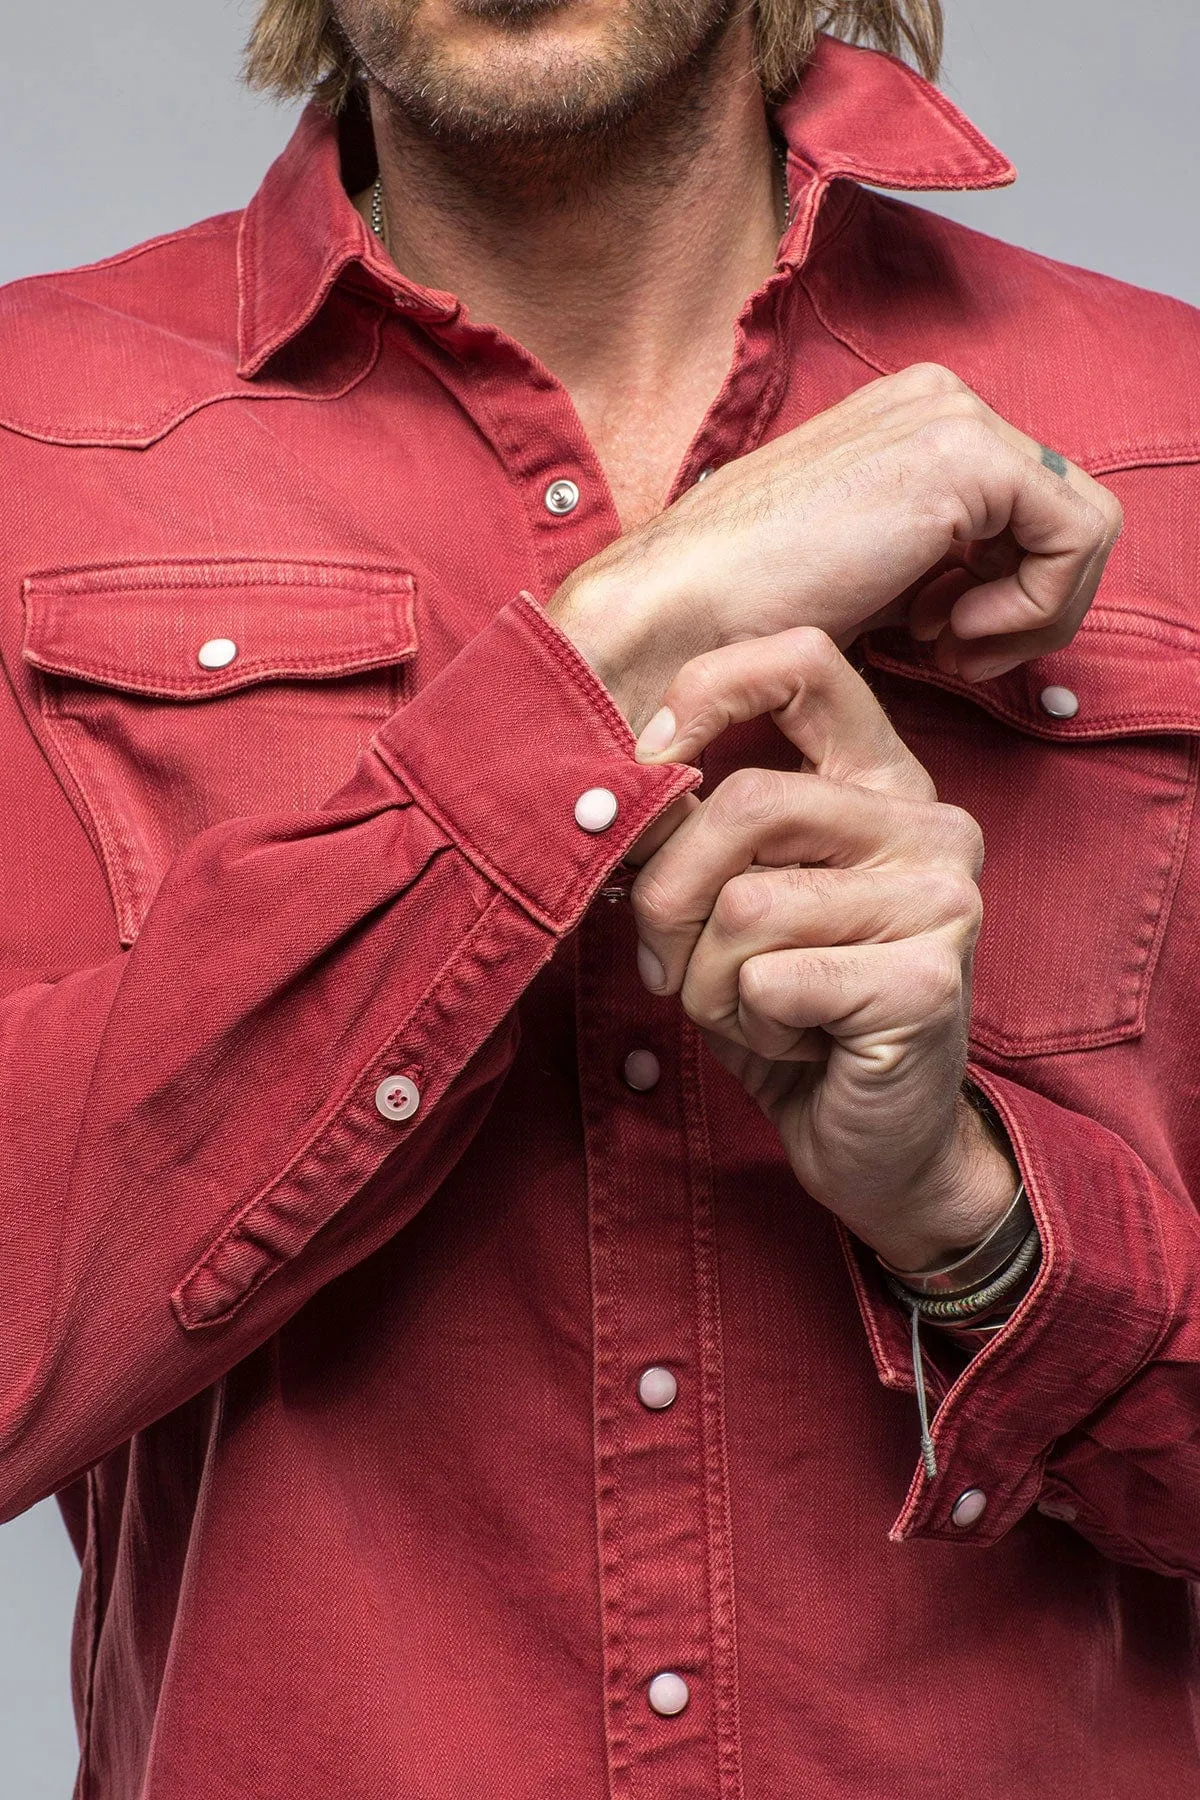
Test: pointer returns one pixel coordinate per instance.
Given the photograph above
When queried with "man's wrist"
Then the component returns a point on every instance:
(618, 624)
(959, 1199)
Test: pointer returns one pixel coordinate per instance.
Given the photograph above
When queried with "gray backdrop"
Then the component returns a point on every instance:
(123, 118)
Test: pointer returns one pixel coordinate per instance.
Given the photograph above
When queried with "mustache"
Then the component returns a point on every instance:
(508, 12)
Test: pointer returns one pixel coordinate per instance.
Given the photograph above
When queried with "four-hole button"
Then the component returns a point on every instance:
(397, 1097)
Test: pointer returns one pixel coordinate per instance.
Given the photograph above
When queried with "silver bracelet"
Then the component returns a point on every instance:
(981, 1302)
(975, 1267)
(956, 1319)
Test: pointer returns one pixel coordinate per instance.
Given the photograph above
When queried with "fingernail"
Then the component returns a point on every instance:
(659, 734)
(990, 671)
(651, 970)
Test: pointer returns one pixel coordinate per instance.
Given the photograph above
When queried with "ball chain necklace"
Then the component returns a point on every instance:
(379, 218)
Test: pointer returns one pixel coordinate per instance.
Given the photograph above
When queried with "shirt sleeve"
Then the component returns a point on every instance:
(1087, 1404)
(312, 1023)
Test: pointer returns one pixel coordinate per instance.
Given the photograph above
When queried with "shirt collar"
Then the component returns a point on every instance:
(856, 114)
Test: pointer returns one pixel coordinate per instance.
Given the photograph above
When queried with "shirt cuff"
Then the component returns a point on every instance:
(1099, 1308)
(502, 747)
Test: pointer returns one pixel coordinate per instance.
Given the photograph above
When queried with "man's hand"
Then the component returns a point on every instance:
(911, 491)
(819, 926)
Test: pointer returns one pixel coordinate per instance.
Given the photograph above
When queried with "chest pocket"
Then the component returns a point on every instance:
(1085, 819)
(172, 696)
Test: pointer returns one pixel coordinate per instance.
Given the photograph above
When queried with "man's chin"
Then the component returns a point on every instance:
(517, 94)
(531, 73)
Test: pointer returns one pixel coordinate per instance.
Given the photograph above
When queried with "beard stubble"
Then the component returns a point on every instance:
(543, 108)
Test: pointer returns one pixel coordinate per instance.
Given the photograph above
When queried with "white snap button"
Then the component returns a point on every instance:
(397, 1097)
(1059, 702)
(968, 1509)
(668, 1694)
(703, 476)
(562, 497)
(642, 1070)
(657, 1389)
(218, 653)
(596, 810)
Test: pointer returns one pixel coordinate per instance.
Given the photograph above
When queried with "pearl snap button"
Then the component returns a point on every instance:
(1059, 702)
(668, 1694)
(397, 1097)
(657, 1389)
(218, 653)
(968, 1509)
(596, 810)
(562, 497)
(642, 1070)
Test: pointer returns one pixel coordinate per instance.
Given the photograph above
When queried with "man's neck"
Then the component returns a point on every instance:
(622, 272)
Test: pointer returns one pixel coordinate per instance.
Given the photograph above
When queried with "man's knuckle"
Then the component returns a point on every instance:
(702, 680)
(743, 905)
(962, 404)
(956, 896)
(938, 977)
(954, 438)
(748, 796)
(759, 984)
(934, 378)
(816, 655)
(963, 835)
(699, 1007)
(654, 904)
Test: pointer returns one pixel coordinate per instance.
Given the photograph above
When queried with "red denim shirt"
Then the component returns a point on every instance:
(335, 1239)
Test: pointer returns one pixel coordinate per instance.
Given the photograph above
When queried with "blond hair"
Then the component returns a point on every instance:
(297, 48)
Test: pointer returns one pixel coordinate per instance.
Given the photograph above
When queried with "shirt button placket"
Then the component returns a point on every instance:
(649, 1241)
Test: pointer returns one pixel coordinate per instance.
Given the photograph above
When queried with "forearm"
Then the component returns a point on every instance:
(199, 1134)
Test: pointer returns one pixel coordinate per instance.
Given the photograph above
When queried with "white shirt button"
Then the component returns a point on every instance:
(668, 1694)
(657, 1389)
(561, 497)
(397, 1097)
(596, 810)
(968, 1509)
(1059, 702)
(642, 1071)
(703, 476)
(218, 653)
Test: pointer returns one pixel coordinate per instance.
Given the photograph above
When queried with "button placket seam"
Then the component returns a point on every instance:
(726, 1711)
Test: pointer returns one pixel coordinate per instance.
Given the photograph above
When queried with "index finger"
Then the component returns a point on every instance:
(819, 702)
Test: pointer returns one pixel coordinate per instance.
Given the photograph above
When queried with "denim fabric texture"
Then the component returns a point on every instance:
(342, 1409)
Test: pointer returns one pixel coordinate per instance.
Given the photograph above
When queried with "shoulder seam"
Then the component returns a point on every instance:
(1107, 460)
(205, 228)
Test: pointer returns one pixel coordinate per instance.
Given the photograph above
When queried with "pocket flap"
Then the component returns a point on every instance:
(193, 630)
(1132, 674)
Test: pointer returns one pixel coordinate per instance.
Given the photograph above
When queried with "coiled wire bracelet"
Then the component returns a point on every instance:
(955, 1309)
